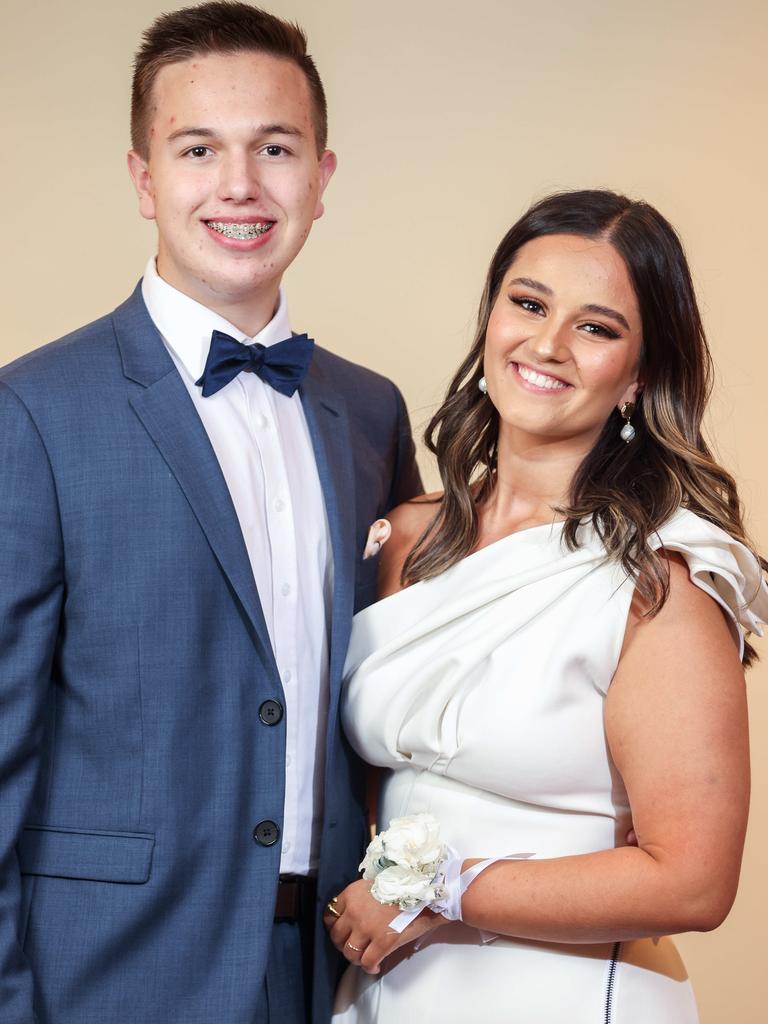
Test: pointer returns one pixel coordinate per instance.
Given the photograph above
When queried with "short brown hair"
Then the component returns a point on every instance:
(220, 27)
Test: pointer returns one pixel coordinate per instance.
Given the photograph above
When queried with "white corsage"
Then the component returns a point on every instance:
(411, 868)
(403, 861)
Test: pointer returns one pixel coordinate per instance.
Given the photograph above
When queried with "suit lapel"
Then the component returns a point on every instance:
(328, 423)
(169, 417)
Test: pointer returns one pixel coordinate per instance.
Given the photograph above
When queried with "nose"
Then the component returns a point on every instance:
(238, 178)
(550, 343)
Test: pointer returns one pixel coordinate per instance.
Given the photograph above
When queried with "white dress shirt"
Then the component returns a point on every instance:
(261, 440)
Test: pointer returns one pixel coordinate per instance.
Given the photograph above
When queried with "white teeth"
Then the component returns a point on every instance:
(539, 379)
(241, 231)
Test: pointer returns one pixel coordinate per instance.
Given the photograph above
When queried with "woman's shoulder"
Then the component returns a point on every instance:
(412, 517)
(408, 522)
(705, 557)
(689, 528)
(708, 550)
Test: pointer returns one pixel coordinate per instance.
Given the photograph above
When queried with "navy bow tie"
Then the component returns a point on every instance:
(283, 366)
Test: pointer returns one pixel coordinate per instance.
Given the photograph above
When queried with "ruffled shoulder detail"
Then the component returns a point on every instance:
(722, 567)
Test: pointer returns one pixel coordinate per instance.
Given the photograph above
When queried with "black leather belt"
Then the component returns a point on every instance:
(295, 898)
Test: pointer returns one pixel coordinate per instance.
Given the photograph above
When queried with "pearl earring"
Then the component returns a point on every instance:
(627, 431)
(483, 385)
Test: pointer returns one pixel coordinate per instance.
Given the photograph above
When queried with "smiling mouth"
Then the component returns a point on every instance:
(241, 231)
(540, 380)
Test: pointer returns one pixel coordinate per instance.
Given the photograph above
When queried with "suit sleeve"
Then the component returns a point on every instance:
(406, 479)
(31, 589)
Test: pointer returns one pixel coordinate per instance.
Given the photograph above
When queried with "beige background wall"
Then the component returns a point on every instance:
(448, 120)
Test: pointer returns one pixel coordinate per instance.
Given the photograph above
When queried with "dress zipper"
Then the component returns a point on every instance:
(612, 968)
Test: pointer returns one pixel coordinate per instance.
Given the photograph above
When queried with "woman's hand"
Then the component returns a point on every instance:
(362, 932)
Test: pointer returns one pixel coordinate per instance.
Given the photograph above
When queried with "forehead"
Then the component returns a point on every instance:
(572, 265)
(223, 87)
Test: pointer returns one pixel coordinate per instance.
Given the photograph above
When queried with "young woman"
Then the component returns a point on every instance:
(558, 655)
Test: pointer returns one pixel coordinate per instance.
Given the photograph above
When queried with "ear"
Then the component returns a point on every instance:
(326, 167)
(631, 394)
(138, 168)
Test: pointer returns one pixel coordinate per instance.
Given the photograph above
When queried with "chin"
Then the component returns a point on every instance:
(242, 285)
(536, 431)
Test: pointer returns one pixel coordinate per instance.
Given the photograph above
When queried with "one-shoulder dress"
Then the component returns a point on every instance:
(482, 690)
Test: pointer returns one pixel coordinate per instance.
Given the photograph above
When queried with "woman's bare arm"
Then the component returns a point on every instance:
(408, 522)
(676, 724)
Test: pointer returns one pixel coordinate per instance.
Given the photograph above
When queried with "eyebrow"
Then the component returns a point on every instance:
(590, 307)
(209, 133)
(606, 311)
(530, 283)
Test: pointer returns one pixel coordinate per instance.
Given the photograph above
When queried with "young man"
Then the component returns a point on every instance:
(186, 489)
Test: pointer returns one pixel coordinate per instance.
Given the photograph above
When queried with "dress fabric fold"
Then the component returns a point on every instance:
(482, 691)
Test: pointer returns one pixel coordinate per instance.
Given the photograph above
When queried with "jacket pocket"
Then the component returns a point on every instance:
(86, 854)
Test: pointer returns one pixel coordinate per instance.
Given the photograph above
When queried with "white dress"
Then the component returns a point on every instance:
(483, 691)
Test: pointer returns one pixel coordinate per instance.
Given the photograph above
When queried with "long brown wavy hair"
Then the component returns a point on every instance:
(627, 491)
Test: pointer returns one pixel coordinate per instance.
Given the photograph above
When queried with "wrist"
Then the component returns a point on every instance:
(433, 917)
(408, 866)
(411, 868)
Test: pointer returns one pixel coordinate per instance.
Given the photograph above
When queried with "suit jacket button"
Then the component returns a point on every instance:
(266, 833)
(271, 712)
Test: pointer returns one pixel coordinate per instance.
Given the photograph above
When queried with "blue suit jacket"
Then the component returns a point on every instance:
(133, 661)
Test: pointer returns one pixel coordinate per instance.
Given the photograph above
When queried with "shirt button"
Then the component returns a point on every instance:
(287, 847)
(287, 676)
(263, 422)
(288, 760)
(285, 589)
(266, 833)
(279, 505)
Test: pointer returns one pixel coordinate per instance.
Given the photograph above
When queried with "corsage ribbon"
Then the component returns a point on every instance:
(455, 882)
(411, 868)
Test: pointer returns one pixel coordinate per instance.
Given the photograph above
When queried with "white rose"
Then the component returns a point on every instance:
(374, 860)
(413, 842)
(402, 886)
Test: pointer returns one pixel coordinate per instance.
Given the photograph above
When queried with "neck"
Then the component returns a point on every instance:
(248, 317)
(249, 313)
(533, 479)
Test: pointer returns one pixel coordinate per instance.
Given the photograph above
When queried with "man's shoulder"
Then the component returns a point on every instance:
(373, 402)
(51, 357)
(82, 351)
(358, 385)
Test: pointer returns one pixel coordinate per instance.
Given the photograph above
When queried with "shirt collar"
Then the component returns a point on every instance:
(186, 325)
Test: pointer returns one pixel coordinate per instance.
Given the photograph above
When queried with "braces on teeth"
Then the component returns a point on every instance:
(241, 231)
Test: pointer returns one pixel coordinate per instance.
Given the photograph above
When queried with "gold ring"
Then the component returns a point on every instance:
(357, 949)
(331, 907)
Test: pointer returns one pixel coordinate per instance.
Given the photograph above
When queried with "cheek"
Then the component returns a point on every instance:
(503, 333)
(178, 193)
(606, 369)
(304, 197)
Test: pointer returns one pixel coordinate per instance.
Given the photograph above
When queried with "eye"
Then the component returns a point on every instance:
(529, 305)
(197, 152)
(274, 149)
(599, 330)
